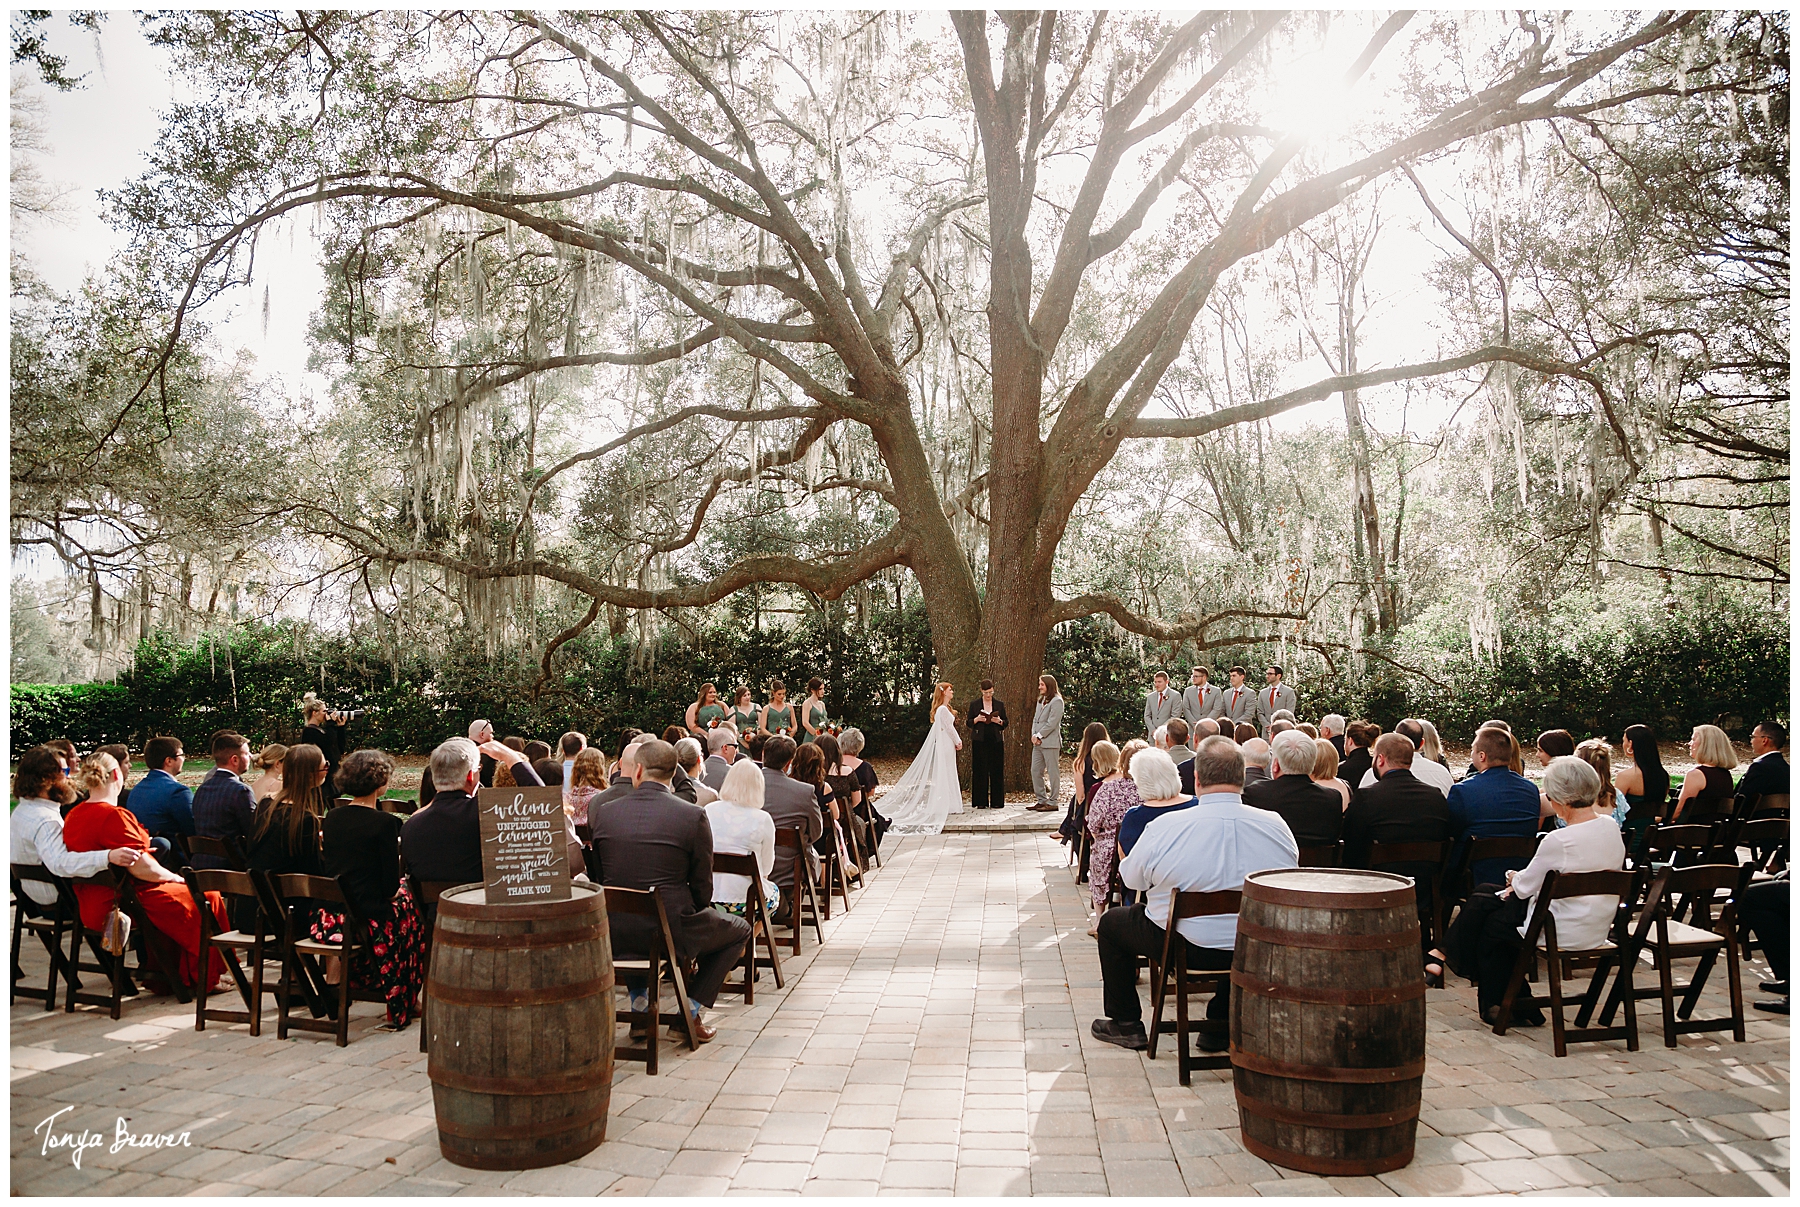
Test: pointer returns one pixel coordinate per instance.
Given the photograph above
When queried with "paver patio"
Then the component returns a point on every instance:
(936, 1044)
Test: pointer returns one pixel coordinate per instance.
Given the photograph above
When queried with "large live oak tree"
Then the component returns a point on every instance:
(732, 171)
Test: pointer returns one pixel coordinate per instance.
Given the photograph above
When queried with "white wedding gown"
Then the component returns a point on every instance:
(929, 792)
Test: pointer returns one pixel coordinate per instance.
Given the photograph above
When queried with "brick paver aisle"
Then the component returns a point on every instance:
(937, 1044)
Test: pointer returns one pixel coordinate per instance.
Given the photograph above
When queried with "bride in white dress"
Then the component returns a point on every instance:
(929, 791)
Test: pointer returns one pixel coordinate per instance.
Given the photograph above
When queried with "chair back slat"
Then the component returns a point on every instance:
(1590, 884)
(222, 881)
(397, 804)
(1322, 855)
(1504, 846)
(790, 838)
(733, 865)
(1408, 852)
(293, 886)
(1193, 904)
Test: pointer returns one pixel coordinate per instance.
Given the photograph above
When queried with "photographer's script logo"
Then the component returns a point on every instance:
(77, 1143)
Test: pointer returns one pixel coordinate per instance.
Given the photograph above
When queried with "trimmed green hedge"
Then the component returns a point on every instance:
(1590, 670)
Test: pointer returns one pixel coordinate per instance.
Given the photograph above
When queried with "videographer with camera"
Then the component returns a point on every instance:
(325, 729)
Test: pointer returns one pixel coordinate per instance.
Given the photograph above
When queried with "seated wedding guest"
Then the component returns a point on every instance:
(122, 755)
(568, 746)
(223, 805)
(1314, 814)
(1159, 797)
(1763, 910)
(1597, 753)
(808, 768)
(652, 840)
(481, 732)
(268, 766)
(689, 759)
(1331, 728)
(163, 804)
(1243, 732)
(850, 745)
(427, 789)
(674, 733)
(1076, 816)
(1114, 796)
(740, 827)
(1398, 808)
(1554, 744)
(1279, 727)
(1325, 770)
(285, 839)
(1767, 774)
(1256, 760)
(550, 771)
(1311, 731)
(1423, 770)
(443, 841)
(1210, 847)
(362, 849)
(1173, 738)
(845, 790)
(1484, 942)
(42, 787)
(722, 752)
(1515, 760)
(1433, 746)
(1359, 738)
(1205, 727)
(1495, 802)
(588, 782)
(622, 776)
(1643, 780)
(1706, 791)
(792, 805)
(98, 824)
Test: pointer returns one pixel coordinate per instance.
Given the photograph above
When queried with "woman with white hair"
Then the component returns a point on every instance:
(1159, 784)
(1485, 940)
(1706, 791)
(740, 827)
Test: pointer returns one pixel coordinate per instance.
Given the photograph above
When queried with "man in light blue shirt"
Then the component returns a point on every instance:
(1208, 847)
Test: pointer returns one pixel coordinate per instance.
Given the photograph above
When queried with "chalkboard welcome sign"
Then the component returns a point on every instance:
(524, 845)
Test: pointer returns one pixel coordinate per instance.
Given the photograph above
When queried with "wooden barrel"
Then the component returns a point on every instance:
(520, 1013)
(1328, 1019)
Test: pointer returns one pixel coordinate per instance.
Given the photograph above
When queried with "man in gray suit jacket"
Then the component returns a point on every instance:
(1200, 700)
(1160, 706)
(1273, 698)
(722, 752)
(651, 839)
(1046, 746)
(793, 805)
(1238, 702)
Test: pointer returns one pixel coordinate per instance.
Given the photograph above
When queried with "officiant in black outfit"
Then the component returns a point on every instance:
(987, 756)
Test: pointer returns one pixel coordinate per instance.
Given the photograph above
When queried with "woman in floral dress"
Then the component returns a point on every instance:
(1112, 796)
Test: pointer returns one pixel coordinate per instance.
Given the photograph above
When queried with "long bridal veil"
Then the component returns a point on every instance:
(929, 792)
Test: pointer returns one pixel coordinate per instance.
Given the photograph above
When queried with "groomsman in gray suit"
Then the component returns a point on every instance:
(1200, 700)
(1160, 706)
(1046, 746)
(1273, 698)
(1237, 703)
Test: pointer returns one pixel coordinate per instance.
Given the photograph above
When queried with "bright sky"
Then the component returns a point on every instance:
(100, 133)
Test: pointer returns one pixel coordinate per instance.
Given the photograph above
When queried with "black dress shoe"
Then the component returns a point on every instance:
(1211, 1043)
(1778, 987)
(1129, 1036)
(1780, 1007)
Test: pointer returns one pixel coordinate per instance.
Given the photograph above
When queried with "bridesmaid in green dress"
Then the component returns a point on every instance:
(813, 714)
(778, 714)
(744, 713)
(705, 712)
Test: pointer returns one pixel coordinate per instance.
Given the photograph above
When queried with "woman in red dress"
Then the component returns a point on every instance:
(98, 823)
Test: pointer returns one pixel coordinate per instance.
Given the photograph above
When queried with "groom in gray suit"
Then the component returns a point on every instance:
(1046, 745)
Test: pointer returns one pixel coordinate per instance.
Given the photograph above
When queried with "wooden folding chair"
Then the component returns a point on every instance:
(1610, 954)
(1324, 855)
(1770, 804)
(866, 811)
(644, 903)
(299, 895)
(53, 924)
(1413, 859)
(218, 848)
(397, 804)
(235, 887)
(803, 893)
(762, 926)
(1767, 841)
(1672, 892)
(1684, 845)
(1174, 957)
(155, 952)
(425, 894)
(834, 877)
